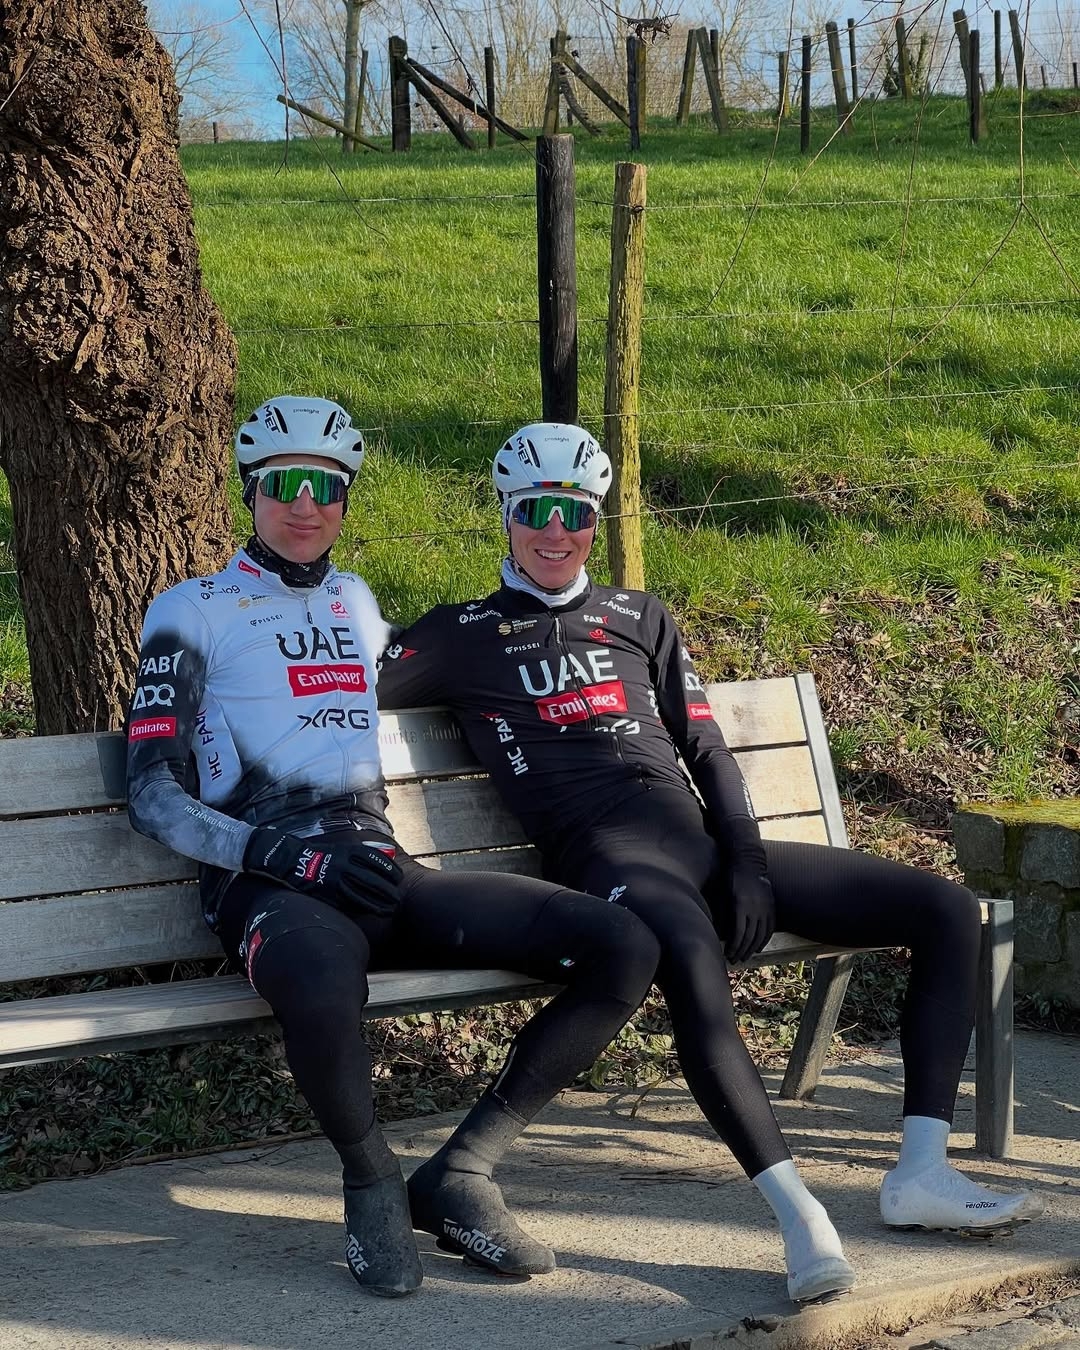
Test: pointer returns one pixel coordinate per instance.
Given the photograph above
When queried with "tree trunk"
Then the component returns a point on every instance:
(352, 59)
(117, 368)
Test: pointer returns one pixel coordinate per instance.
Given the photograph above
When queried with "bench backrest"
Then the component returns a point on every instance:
(84, 892)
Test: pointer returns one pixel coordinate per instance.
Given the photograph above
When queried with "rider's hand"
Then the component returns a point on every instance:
(337, 867)
(753, 913)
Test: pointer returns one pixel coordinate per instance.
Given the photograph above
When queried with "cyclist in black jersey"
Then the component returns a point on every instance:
(578, 698)
(253, 748)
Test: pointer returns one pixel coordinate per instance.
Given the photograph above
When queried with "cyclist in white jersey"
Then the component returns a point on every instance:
(252, 748)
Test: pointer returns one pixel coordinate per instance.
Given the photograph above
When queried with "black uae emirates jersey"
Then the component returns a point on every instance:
(576, 710)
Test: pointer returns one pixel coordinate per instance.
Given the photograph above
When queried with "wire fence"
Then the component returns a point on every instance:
(653, 414)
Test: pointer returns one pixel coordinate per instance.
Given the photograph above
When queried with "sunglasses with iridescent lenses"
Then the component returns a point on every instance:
(535, 512)
(285, 482)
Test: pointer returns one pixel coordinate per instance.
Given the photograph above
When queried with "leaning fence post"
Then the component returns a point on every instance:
(1018, 47)
(400, 107)
(836, 61)
(621, 429)
(804, 111)
(960, 23)
(361, 91)
(556, 276)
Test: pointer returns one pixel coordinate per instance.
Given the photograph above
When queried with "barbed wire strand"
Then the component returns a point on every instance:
(831, 312)
(715, 505)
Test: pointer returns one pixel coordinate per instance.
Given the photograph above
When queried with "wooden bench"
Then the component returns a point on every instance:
(81, 892)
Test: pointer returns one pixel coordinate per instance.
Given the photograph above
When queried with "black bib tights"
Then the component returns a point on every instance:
(658, 850)
(310, 962)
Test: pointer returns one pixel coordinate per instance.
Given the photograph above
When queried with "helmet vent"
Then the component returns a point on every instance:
(246, 439)
(532, 452)
(330, 423)
(283, 425)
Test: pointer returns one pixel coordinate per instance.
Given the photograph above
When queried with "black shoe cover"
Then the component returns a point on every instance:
(380, 1249)
(465, 1211)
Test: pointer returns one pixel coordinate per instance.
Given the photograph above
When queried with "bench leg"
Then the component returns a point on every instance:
(816, 1026)
(994, 1034)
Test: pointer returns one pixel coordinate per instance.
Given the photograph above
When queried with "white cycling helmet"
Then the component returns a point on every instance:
(551, 455)
(299, 426)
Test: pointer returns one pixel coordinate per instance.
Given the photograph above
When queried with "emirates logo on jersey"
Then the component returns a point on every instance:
(699, 712)
(336, 607)
(304, 680)
(149, 727)
(577, 706)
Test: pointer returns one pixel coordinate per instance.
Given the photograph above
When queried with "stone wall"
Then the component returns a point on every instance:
(1031, 855)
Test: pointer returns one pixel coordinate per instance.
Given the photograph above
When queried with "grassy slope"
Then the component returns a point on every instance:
(974, 530)
(938, 611)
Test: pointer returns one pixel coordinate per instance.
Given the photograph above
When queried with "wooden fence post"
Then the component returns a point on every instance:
(215, 131)
(783, 108)
(551, 100)
(1042, 75)
(686, 84)
(903, 61)
(400, 107)
(489, 95)
(1017, 46)
(1076, 82)
(712, 81)
(556, 274)
(621, 429)
(960, 23)
(635, 87)
(839, 83)
(361, 91)
(804, 111)
(632, 92)
(558, 46)
(854, 61)
(975, 105)
(999, 73)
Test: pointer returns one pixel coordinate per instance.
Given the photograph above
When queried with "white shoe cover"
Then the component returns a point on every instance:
(941, 1197)
(815, 1261)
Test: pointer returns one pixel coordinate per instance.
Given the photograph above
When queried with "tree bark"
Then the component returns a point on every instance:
(352, 58)
(117, 368)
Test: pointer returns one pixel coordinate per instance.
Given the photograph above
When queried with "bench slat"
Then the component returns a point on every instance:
(35, 1030)
(46, 775)
(71, 935)
(60, 854)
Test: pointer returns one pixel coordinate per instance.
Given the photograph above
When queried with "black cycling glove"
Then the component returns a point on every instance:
(342, 866)
(753, 913)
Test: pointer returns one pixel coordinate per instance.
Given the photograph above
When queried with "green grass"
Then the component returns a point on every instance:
(838, 498)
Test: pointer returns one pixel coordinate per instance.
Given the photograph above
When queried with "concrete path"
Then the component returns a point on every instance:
(659, 1238)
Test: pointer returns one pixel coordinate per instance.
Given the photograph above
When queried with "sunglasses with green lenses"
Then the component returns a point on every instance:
(535, 512)
(285, 482)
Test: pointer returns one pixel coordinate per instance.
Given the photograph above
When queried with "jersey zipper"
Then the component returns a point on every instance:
(594, 721)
